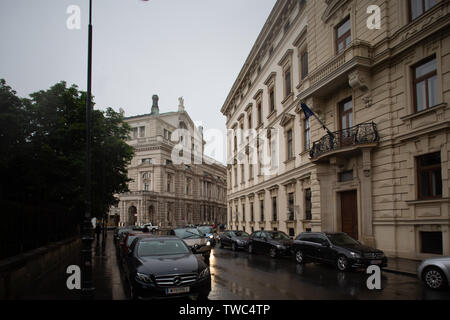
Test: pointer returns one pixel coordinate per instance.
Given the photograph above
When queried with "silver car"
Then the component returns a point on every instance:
(435, 272)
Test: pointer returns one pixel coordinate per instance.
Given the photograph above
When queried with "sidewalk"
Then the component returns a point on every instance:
(105, 273)
(402, 266)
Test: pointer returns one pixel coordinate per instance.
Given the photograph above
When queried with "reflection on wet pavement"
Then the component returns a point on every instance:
(240, 276)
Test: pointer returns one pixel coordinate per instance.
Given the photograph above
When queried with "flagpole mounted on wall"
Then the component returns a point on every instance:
(308, 113)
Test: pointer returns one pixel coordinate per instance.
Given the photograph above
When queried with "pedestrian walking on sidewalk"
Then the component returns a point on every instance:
(98, 231)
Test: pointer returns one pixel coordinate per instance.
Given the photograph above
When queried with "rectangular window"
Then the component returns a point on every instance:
(235, 176)
(260, 158)
(429, 176)
(252, 213)
(271, 100)
(419, 7)
(146, 187)
(290, 145)
(308, 204)
(287, 82)
(274, 209)
(250, 171)
(431, 242)
(307, 134)
(168, 162)
(291, 232)
(135, 133)
(141, 132)
(273, 154)
(249, 121)
(425, 84)
(291, 207)
(304, 64)
(243, 212)
(147, 161)
(242, 174)
(261, 207)
(259, 109)
(343, 35)
(169, 182)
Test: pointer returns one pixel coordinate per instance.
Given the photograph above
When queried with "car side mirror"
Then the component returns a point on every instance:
(130, 252)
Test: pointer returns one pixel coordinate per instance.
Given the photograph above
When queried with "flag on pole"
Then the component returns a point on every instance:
(308, 113)
(306, 110)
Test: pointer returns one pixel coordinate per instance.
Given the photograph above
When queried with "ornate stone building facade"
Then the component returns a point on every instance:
(169, 188)
(382, 173)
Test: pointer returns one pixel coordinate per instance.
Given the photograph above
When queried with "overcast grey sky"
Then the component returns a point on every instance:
(173, 48)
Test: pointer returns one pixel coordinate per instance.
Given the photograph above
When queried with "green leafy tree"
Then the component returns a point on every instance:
(45, 149)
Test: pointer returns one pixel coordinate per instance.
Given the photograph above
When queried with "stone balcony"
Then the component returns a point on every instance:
(339, 70)
(345, 141)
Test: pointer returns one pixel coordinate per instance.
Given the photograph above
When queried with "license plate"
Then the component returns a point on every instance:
(376, 262)
(177, 290)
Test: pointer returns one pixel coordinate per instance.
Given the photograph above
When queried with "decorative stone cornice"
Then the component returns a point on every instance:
(286, 56)
(287, 117)
(332, 7)
(258, 94)
(270, 78)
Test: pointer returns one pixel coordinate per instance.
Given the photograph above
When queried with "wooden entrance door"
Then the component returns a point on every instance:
(349, 213)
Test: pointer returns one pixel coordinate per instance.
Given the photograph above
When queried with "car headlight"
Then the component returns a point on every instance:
(208, 243)
(143, 278)
(355, 255)
(280, 247)
(210, 236)
(204, 273)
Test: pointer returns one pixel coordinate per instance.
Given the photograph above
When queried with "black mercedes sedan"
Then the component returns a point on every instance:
(165, 267)
(275, 243)
(337, 249)
(235, 239)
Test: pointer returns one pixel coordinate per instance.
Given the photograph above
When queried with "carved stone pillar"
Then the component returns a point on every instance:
(366, 199)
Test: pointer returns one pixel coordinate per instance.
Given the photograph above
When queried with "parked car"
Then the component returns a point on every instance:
(195, 239)
(235, 239)
(435, 272)
(210, 234)
(150, 227)
(126, 243)
(275, 243)
(164, 266)
(338, 249)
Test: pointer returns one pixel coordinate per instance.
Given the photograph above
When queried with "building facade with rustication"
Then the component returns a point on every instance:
(172, 182)
(376, 73)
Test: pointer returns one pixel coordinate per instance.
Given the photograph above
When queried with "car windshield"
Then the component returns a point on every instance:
(188, 233)
(239, 234)
(161, 247)
(341, 239)
(278, 236)
(206, 229)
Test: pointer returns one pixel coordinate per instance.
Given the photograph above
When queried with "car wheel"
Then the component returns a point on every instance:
(250, 249)
(233, 246)
(273, 253)
(342, 263)
(299, 257)
(434, 278)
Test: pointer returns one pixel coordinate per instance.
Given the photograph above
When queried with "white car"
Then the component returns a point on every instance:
(435, 272)
(150, 227)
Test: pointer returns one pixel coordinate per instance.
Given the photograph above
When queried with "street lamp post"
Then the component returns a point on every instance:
(87, 288)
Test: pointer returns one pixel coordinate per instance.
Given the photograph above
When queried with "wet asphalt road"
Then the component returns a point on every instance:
(240, 276)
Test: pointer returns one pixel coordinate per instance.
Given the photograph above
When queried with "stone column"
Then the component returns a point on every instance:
(366, 200)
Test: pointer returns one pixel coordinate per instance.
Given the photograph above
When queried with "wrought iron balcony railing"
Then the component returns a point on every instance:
(363, 133)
